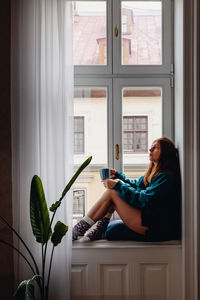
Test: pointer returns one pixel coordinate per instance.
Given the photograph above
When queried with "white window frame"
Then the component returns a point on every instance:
(114, 77)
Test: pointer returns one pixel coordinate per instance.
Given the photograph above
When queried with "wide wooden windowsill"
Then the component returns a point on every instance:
(124, 244)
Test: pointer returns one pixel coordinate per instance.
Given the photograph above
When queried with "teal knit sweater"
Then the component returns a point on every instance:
(159, 201)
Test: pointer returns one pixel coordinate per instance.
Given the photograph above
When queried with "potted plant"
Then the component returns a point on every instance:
(42, 230)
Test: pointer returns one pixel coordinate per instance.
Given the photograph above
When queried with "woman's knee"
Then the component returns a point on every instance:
(110, 194)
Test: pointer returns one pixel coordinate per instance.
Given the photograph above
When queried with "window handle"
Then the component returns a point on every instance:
(116, 31)
(117, 152)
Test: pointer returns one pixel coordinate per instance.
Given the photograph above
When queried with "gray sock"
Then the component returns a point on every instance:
(88, 220)
(81, 227)
(99, 230)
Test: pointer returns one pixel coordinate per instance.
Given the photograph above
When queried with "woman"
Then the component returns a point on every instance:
(150, 208)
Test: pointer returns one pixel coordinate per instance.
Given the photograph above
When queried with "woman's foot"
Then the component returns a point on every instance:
(98, 232)
(81, 227)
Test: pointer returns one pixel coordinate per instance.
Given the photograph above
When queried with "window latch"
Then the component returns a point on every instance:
(117, 152)
(116, 31)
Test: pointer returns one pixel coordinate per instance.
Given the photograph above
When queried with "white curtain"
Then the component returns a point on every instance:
(42, 118)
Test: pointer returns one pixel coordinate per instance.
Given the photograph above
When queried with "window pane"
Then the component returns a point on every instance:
(91, 103)
(79, 124)
(142, 123)
(78, 143)
(141, 32)
(128, 141)
(141, 142)
(78, 135)
(89, 33)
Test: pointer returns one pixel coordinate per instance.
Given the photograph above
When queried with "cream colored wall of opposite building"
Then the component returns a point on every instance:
(94, 188)
(95, 112)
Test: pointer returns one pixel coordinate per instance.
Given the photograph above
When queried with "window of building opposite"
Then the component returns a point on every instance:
(135, 134)
(78, 205)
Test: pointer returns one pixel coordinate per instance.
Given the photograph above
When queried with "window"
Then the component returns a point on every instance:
(135, 134)
(78, 135)
(124, 24)
(78, 205)
(123, 85)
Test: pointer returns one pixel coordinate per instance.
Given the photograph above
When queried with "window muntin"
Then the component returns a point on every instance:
(141, 43)
(78, 135)
(90, 33)
(135, 134)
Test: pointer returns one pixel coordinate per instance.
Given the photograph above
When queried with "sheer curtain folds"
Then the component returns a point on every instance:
(42, 122)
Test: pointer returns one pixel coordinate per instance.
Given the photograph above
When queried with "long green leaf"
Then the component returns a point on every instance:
(39, 213)
(20, 293)
(55, 205)
(29, 293)
(25, 290)
(60, 230)
(68, 186)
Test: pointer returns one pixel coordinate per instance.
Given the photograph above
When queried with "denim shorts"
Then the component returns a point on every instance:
(118, 231)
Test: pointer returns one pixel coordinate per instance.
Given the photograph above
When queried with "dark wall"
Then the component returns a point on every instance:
(6, 259)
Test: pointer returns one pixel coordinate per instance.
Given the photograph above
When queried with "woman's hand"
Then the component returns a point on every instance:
(110, 183)
(112, 173)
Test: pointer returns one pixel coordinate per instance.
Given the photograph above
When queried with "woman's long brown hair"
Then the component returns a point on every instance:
(168, 162)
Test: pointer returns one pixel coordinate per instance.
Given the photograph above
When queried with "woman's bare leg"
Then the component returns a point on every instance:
(101, 207)
(107, 203)
(130, 215)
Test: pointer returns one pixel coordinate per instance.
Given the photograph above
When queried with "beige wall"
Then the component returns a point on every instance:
(94, 111)
(6, 260)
